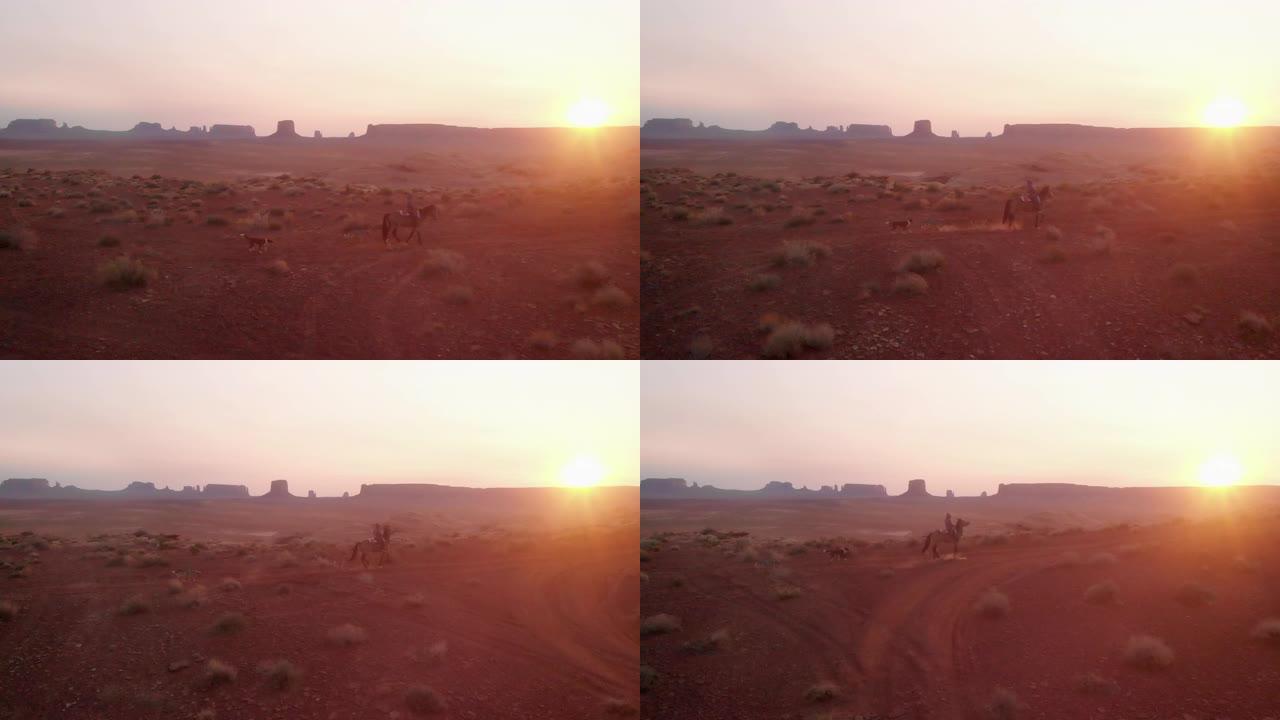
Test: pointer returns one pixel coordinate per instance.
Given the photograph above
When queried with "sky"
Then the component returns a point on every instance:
(962, 426)
(970, 67)
(324, 426)
(329, 65)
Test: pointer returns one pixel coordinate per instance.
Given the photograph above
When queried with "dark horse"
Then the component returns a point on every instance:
(392, 222)
(379, 547)
(938, 537)
(1029, 198)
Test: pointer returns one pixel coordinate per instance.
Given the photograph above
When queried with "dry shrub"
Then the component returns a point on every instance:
(799, 253)
(921, 262)
(701, 347)
(8, 610)
(217, 672)
(1052, 232)
(230, 584)
(422, 700)
(347, 635)
(791, 339)
(659, 624)
(124, 273)
(764, 281)
(822, 692)
(543, 339)
(279, 674)
(648, 678)
(909, 284)
(174, 586)
(1095, 684)
(136, 605)
(1252, 326)
(458, 295)
(712, 216)
(1105, 593)
(1004, 705)
(708, 644)
(1148, 653)
(992, 604)
(800, 217)
(1184, 274)
(1194, 595)
(611, 296)
(443, 262)
(1268, 631)
(228, 624)
(590, 275)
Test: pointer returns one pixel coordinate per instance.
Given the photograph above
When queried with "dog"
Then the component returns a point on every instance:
(899, 224)
(258, 244)
(839, 553)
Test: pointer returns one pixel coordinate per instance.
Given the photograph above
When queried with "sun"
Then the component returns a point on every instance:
(1225, 112)
(588, 113)
(1220, 471)
(583, 471)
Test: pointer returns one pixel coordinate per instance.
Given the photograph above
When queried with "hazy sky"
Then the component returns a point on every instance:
(331, 65)
(964, 426)
(967, 66)
(324, 426)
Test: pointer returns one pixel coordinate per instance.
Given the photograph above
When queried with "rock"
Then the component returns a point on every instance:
(317, 135)
(279, 490)
(311, 494)
(955, 135)
(177, 665)
(922, 129)
(916, 488)
(951, 493)
(988, 135)
(284, 131)
(232, 132)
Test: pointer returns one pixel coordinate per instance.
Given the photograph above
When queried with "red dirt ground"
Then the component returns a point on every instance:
(899, 637)
(997, 295)
(523, 233)
(536, 624)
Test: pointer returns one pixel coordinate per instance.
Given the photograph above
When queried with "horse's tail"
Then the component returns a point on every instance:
(1008, 211)
(386, 226)
(354, 550)
(928, 537)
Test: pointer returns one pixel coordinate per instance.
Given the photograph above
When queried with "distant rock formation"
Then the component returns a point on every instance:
(988, 135)
(140, 488)
(279, 490)
(346, 494)
(351, 135)
(984, 492)
(285, 130)
(24, 487)
(232, 132)
(678, 488)
(916, 488)
(955, 135)
(311, 494)
(41, 126)
(219, 490)
(317, 135)
(922, 129)
(951, 493)
(685, 129)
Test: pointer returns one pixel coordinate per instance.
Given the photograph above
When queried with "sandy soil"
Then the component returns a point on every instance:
(898, 634)
(1155, 257)
(497, 619)
(532, 256)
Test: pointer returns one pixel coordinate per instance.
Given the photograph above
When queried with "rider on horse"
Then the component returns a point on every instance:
(951, 528)
(1031, 196)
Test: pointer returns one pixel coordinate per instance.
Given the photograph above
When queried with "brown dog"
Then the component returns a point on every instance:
(899, 224)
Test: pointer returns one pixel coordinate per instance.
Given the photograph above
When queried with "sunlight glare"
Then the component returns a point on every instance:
(1220, 471)
(588, 113)
(1225, 112)
(582, 472)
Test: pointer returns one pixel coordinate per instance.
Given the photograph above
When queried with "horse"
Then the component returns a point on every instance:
(838, 552)
(380, 545)
(936, 537)
(1035, 201)
(392, 222)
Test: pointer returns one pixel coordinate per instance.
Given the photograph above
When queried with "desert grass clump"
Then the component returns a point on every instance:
(458, 295)
(8, 611)
(230, 584)
(125, 273)
(1194, 595)
(217, 673)
(17, 238)
(216, 221)
(659, 624)
(921, 262)
(611, 296)
(648, 678)
(800, 217)
(108, 241)
(791, 339)
(1104, 593)
(1052, 255)
(708, 644)
(764, 281)
(135, 605)
(443, 262)
(992, 604)
(1053, 233)
(543, 339)
(1253, 327)
(1095, 684)
(822, 692)
(278, 267)
(347, 635)
(1147, 652)
(799, 253)
(909, 284)
(1268, 631)
(590, 275)
(701, 347)
(787, 592)
(228, 624)
(195, 597)
(174, 586)
(1004, 705)
(422, 700)
(279, 674)
(712, 216)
